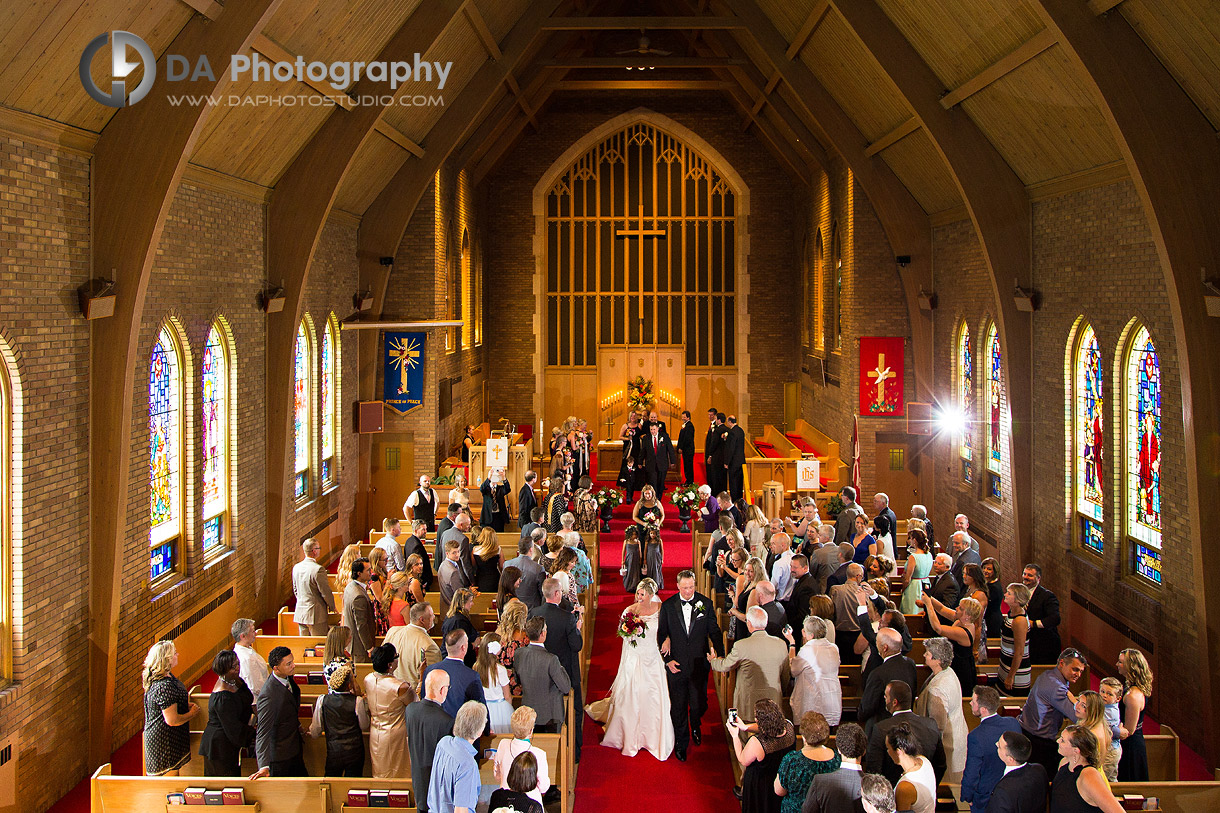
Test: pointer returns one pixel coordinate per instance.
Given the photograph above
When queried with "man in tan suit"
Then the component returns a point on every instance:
(312, 591)
(416, 649)
(763, 671)
(847, 630)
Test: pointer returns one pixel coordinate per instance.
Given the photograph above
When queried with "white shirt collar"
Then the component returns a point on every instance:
(851, 766)
(1010, 768)
(282, 680)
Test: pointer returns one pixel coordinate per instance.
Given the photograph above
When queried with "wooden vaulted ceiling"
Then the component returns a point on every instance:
(997, 63)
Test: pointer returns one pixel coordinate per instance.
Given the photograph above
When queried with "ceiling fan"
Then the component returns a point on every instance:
(645, 48)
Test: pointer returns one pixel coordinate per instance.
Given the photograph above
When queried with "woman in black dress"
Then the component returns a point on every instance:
(993, 619)
(459, 619)
(522, 778)
(771, 737)
(960, 633)
(167, 711)
(1137, 682)
(633, 558)
(467, 442)
(506, 591)
(230, 708)
(752, 574)
(1080, 786)
(487, 561)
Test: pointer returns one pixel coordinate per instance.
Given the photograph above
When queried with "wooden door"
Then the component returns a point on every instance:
(894, 476)
(392, 475)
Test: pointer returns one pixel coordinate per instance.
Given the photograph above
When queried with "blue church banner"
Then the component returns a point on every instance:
(404, 371)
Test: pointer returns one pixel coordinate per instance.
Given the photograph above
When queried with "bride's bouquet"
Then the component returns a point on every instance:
(631, 628)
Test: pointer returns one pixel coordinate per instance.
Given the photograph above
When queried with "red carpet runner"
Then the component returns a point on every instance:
(607, 780)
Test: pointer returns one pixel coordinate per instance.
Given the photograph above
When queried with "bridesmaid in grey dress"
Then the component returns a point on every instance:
(654, 557)
(632, 560)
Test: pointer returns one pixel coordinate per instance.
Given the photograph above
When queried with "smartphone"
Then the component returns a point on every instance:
(787, 629)
(733, 716)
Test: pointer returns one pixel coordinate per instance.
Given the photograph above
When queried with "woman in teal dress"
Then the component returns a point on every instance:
(798, 768)
(918, 566)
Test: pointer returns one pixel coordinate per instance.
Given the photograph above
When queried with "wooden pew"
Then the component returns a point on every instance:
(1174, 797)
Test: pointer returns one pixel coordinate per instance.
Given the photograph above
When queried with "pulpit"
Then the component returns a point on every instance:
(520, 458)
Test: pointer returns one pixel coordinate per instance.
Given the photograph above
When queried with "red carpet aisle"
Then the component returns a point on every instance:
(608, 780)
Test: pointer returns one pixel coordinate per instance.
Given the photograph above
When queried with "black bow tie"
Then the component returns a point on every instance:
(686, 603)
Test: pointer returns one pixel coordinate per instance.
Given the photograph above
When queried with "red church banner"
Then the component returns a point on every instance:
(881, 368)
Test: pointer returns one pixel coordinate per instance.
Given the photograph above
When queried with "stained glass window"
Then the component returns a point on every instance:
(965, 400)
(164, 453)
(301, 425)
(1143, 463)
(1088, 438)
(10, 520)
(995, 397)
(215, 425)
(838, 291)
(327, 386)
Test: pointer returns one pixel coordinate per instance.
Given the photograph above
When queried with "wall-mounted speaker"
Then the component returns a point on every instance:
(919, 418)
(370, 417)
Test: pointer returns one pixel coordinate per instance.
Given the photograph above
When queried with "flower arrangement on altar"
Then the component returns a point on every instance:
(610, 497)
(631, 628)
(686, 496)
(640, 394)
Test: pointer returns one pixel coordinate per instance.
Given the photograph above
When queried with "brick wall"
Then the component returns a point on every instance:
(771, 273)
(44, 256)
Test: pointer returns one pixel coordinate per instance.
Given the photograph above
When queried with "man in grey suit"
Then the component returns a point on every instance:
(839, 791)
(963, 555)
(461, 533)
(278, 744)
(544, 681)
(451, 575)
(312, 591)
(846, 520)
(943, 587)
(532, 574)
(358, 611)
(825, 559)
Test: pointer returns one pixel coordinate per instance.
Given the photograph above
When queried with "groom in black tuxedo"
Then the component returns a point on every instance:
(687, 629)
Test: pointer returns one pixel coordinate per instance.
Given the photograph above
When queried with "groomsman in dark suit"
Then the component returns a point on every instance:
(278, 746)
(713, 453)
(564, 641)
(658, 452)
(686, 447)
(1022, 789)
(527, 501)
(735, 459)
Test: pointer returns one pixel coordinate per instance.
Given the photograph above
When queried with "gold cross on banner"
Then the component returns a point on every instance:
(882, 374)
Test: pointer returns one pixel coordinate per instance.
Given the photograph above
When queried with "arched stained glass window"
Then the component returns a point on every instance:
(216, 440)
(965, 400)
(836, 270)
(327, 384)
(302, 425)
(819, 292)
(165, 420)
(1088, 440)
(1143, 459)
(995, 399)
(10, 500)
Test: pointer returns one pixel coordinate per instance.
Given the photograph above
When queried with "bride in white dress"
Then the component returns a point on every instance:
(636, 712)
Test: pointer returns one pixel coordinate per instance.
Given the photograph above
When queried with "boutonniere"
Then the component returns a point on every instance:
(699, 606)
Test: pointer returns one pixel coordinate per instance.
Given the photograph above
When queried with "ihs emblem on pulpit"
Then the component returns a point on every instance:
(405, 353)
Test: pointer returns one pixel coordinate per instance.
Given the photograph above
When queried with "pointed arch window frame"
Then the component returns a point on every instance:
(1143, 544)
(329, 397)
(836, 289)
(1086, 404)
(217, 513)
(303, 409)
(965, 364)
(994, 392)
(167, 538)
(11, 491)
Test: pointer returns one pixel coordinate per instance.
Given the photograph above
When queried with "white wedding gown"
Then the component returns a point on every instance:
(636, 712)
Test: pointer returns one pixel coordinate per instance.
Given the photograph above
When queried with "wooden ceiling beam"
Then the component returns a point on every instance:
(398, 137)
(808, 28)
(1035, 45)
(208, 8)
(693, 23)
(1175, 168)
(135, 171)
(277, 53)
(1003, 220)
(499, 146)
(893, 136)
(659, 63)
(300, 205)
(480, 28)
(642, 84)
(782, 148)
(1100, 7)
(511, 81)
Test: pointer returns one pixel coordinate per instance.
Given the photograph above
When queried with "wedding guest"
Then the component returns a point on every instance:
(530, 589)
(877, 794)
(414, 545)
(567, 532)
(764, 671)
(544, 681)
(418, 576)
(1079, 784)
(230, 707)
(534, 521)
(894, 666)
(918, 567)
(941, 584)
(395, 561)
(338, 645)
(766, 744)
(447, 524)
(874, 614)
(343, 571)
(459, 494)
(254, 670)
(454, 784)
(839, 792)
(815, 673)
(780, 546)
(376, 589)
(522, 778)
(565, 641)
(941, 700)
(839, 574)
(460, 533)
(277, 744)
(167, 711)
(312, 591)
(898, 702)
(563, 570)
(584, 570)
(963, 557)
(506, 590)
(755, 530)
(494, 678)
(584, 506)
(845, 522)
(397, 598)
(777, 619)
(806, 527)
(821, 606)
(1051, 702)
(487, 561)
(1022, 784)
(916, 789)
(823, 555)
(994, 613)
(459, 619)
(451, 574)
(1137, 677)
(861, 540)
(961, 636)
(358, 611)
(521, 725)
(709, 511)
(878, 567)
(387, 699)
(468, 442)
(847, 624)
(804, 587)
(1015, 664)
(1091, 713)
(752, 574)
(556, 505)
(464, 682)
(415, 642)
(975, 587)
(797, 768)
(1111, 690)
(511, 630)
(527, 498)
(427, 723)
(343, 716)
(984, 763)
(1043, 611)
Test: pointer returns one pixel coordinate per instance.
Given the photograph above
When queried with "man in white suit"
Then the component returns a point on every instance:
(312, 590)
